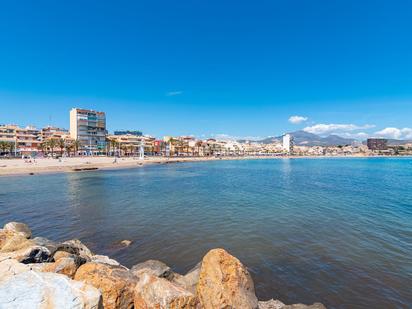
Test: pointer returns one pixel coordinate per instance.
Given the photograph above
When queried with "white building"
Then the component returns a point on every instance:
(89, 128)
(287, 144)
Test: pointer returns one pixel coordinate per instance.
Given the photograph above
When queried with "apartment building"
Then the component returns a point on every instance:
(26, 140)
(53, 132)
(89, 128)
(287, 143)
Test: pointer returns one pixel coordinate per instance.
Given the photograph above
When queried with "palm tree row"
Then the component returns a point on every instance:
(50, 145)
(6, 147)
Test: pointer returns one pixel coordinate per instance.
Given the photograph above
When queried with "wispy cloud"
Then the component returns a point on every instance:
(332, 128)
(395, 133)
(174, 93)
(297, 119)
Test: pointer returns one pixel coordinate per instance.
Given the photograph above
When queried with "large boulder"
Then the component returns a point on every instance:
(18, 228)
(31, 290)
(115, 283)
(154, 268)
(76, 247)
(190, 280)
(225, 283)
(154, 292)
(10, 268)
(65, 266)
(29, 254)
(13, 241)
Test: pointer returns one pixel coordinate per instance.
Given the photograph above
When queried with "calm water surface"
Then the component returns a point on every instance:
(337, 231)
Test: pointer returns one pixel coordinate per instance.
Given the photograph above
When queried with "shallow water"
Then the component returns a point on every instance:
(338, 231)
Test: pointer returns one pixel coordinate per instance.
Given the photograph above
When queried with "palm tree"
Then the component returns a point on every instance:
(3, 146)
(76, 145)
(113, 144)
(61, 144)
(69, 148)
(51, 144)
(11, 147)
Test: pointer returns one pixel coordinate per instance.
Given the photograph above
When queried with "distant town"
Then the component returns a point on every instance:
(88, 136)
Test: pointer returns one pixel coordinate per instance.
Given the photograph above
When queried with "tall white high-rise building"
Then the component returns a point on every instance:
(287, 143)
(89, 128)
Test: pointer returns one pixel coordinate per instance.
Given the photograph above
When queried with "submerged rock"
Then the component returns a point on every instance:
(30, 289)
(103, 259)
(19, 228)
(271, 304)
(126, 243)
(225, 283)
(115, 283)
(153, 267)
(302, 306)
(154, 292)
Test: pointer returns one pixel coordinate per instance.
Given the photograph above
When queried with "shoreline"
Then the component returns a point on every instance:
(18, 167)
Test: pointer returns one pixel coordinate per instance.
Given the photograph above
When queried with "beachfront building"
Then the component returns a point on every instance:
(53, 132)
(287, 143)
(130, 145)
(128, 132)
(89, 128)
(21, 141)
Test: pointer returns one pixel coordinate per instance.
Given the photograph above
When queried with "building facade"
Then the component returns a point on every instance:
(128, 132)
(377, 143)
(25, 141)
(89, 128)
(287, 143)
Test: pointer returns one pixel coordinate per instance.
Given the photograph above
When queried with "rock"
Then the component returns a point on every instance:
(9, 268)
(65, 266)
(103, 259)
(271, 304)
(153, 267)
(30, 289)
(225, 283)
(116, 283)
(14, 241)
(302, 306)
(44, 242)
(154, 292)
(18, 228)
(30, 254)
(126, 243)
(190, 280)
(76, 247)
(5, 236)
(61, 254)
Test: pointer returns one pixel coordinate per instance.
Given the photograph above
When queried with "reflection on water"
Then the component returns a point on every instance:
(332, 230)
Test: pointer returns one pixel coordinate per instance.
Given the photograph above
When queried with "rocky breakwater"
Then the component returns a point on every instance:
(40, 273)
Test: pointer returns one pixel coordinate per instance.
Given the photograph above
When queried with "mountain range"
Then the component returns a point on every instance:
(303, 138)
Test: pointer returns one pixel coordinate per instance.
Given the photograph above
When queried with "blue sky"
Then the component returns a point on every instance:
(211, 68)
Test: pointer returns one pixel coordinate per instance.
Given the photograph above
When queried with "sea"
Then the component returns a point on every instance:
(331, 230)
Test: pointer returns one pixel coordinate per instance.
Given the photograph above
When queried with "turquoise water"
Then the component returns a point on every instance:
(338, 231)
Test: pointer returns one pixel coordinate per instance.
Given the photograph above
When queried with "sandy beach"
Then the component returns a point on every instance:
(10, 167)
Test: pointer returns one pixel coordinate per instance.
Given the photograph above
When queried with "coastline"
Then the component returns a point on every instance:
(18, 167)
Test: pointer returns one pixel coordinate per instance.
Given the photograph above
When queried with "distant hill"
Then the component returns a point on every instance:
(303, 138)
